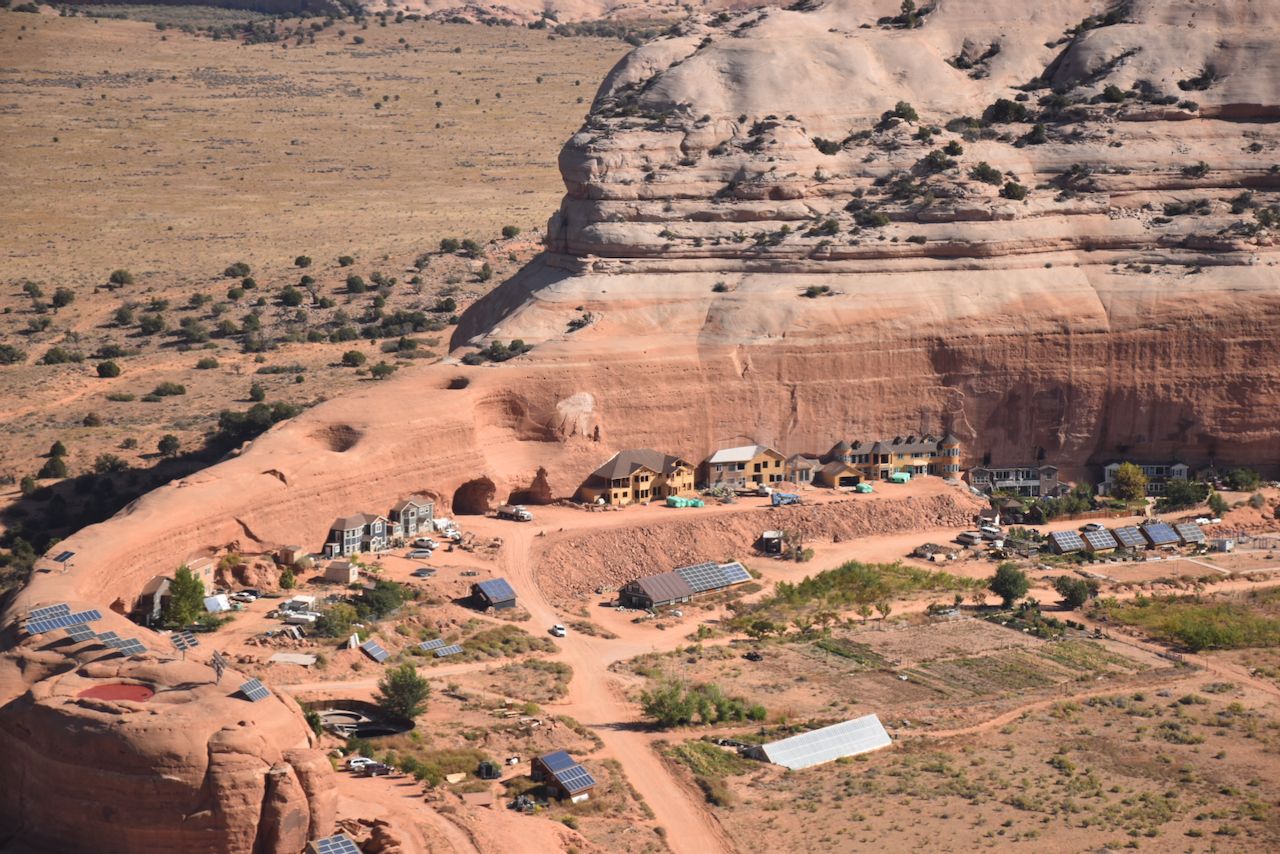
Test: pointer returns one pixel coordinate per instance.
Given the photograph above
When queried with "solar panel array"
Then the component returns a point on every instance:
(131, 646)
(375, 651)
(49, 611)
(702, 577)
(184, 640)
(448, 650)
(255, 690)
(1130, 537)
(1066, 541)
(108, 637)
(829, 743)
(432, 644)
(80, 633)
(1100, 540)
(496, 590)
(567, 772)
(340, 844)
(1189, 532)
(62, 621)
(1160, 534)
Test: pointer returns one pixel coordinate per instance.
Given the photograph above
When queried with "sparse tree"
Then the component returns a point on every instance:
(257, 393)
(63, 297)
(57, 449)
(54, 467)
(885, 608)
(354, 358)
(864, 611)
(169, 445)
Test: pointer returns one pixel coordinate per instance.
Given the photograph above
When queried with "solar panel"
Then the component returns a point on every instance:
(824, 745)
(576, 779)
(1159, 534)
(340, 844)
(702, 576)
(432, 644)
(62, 621)
(255, 690)
(557, 760)
(49, 611)
(81, 633)
(1066, 541)
(63, 557)
(1189, 532)
(132, 646)
(734, 573)
(496, 590)
(115, 641)
(108, 637)
(184, 640)
(448, 650)
(218, 663)
(1100, 540)
(375, 651)
(1130, 537)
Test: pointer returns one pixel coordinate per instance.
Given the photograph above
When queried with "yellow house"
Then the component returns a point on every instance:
(638, 475)
(736, 468)
(915, 456)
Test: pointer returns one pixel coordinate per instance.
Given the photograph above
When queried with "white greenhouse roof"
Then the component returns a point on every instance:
(849, 738)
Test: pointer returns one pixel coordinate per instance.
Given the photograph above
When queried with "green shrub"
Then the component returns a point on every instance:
(510, 231)
(121, 397)
(207, 363)
(238, 270)
(987, 174)
(11, 355)
(61, 356)
(354, 358)
(169, 389)
(120, 278)
(108, 369)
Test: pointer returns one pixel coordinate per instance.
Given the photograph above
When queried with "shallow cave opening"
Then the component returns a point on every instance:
(538, 492)
(473, 497)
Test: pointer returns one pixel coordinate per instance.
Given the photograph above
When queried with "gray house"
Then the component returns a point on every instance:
(413, 517)
(346, 536)
(1028, 481)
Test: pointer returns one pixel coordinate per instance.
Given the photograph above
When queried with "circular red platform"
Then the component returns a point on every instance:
(137, 693)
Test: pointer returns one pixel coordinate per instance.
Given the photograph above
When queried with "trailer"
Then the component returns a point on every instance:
(779, 499)
(515, 512)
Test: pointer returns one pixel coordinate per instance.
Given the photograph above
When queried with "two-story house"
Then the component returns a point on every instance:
(736, 468)
(914, 456)
(1158, 476)
(360, 532)
(637, 475)
(1026, 481)
(411, 517)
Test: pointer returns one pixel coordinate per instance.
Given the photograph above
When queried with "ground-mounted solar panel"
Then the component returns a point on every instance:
(1160, 534)
(219, 664)
(340, 844)
(1100, 540)
(131, 646)
(63, 557)
(432, 644)
(1130, 537)
(184, 640)
(374, 650)
(497, 589)
(49, 611)
(849, 738)
(1067, 541)
(108, 637)
(575, 779)
(62, 621)
(115, 641)
(255, 690)
(1189, 532)
(80, 633)
(445, 651)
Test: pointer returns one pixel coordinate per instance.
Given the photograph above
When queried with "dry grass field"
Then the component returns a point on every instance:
(174, 156)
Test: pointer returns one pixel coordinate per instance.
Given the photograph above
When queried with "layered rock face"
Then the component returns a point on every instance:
(188, 765)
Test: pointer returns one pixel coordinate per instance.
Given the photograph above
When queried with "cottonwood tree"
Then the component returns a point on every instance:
(1130, 484)
(1009, 583)
(403, 692)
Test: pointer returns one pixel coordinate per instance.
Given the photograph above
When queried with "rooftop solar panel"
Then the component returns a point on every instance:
(1066, 541)
(374, 650)
(340, 844)
(1130, 537)
(448, 650)
(1100, 540)
(702, 576)
(49, 611)
(557, 760)
(1189, 532)
(255, 690)
(496, 590)
(824, 745)
(735, 573)
(80, 633)
(576, 779)
(62, 621)
(1159, 534)
(432, 644)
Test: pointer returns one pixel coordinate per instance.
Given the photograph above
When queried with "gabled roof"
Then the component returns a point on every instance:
(743, 454)
(348, 523)
(571, 776)
(909, 445)
(837, 466)
(626, 463)
(666, 587)
(824, 745)
(401, 506)
(496, 590)
(803, 461)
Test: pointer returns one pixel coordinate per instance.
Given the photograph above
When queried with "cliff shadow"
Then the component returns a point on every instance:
(496, 306)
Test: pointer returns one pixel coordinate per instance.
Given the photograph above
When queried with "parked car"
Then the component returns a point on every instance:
(376, 769)
(243, 596)
(423, 572)
(558, 630)
(991, 532)
(754, 655)
(419, 554)
(355, 763)
(1095, 526)
(425, 543)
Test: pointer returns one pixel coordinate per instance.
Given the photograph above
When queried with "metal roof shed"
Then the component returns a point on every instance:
(494, 593)
(861, 735)
(665, 589)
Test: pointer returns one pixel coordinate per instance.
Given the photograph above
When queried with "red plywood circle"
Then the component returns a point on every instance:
(119, 691)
